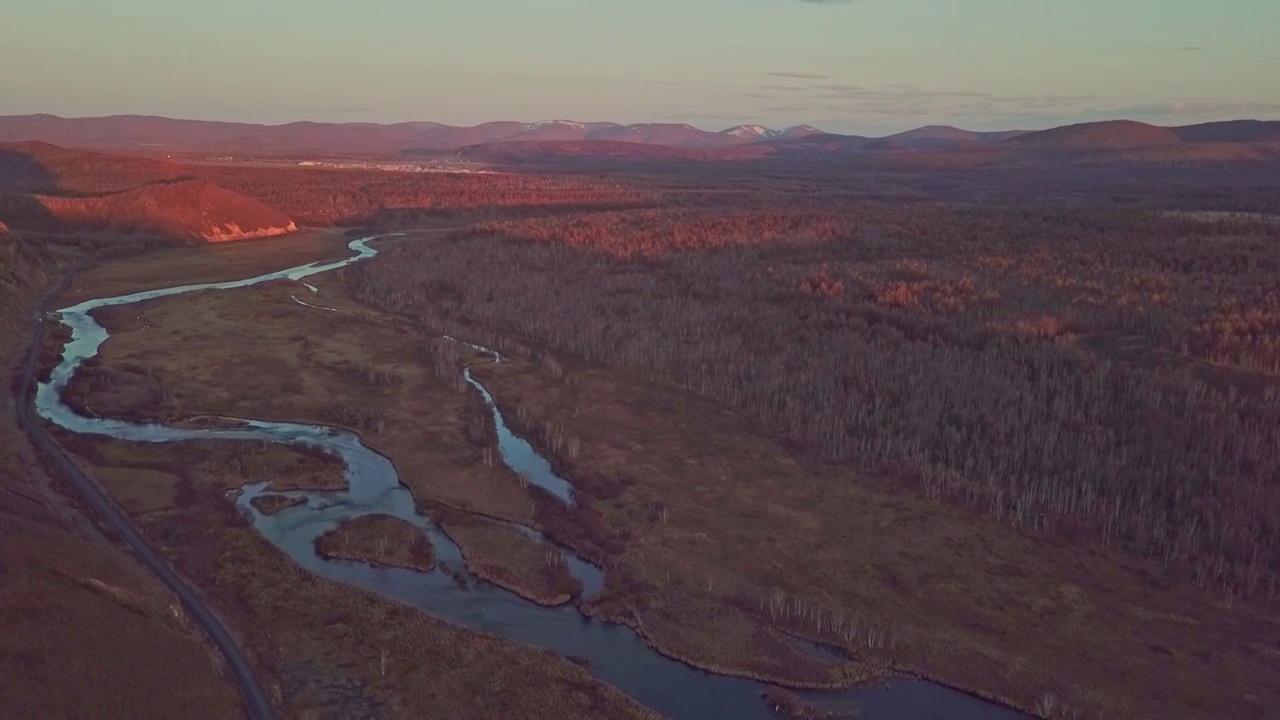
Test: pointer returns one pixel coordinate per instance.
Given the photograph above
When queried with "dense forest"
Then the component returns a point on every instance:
(1088, 371)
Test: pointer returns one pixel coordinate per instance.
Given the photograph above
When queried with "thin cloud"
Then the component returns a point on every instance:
(1042, 101)
(682, 116)
(1191, 48)
(893, 93)
(797, 75)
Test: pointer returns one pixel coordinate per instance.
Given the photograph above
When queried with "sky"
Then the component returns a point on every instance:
(860, 66)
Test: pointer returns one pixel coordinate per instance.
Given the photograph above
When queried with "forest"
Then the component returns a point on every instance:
(1094, 371)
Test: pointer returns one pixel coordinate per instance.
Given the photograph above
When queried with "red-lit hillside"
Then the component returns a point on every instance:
(188, 211)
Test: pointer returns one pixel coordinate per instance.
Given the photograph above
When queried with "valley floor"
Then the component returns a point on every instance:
(720, 544)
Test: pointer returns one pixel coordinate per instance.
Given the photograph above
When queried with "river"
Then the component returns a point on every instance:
(614, 653)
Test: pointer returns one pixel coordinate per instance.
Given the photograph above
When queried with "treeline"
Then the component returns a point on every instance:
(955, 346)
(657, 232)
(317, 196)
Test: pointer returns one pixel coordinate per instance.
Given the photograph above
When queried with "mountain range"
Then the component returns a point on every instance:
(509, 141)
(118, 132)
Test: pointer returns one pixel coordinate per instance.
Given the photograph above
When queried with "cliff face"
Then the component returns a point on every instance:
(190, 211)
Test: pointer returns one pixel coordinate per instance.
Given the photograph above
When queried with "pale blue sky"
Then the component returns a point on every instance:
(870, 66)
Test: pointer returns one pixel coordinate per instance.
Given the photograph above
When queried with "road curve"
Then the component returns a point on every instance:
(256, 701)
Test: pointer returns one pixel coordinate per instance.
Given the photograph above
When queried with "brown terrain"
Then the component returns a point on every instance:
(1047, 477)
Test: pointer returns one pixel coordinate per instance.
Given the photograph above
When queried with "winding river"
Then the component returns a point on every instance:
(614, 653)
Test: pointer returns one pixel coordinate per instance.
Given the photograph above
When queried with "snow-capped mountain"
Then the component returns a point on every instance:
(129, 131)
(751, 133)
(555, 124)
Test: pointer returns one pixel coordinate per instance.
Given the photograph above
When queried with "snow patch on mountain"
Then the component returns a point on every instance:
(555, 123)
(750, 132)
(796, 131)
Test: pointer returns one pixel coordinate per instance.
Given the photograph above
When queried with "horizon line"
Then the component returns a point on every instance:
(670, 123)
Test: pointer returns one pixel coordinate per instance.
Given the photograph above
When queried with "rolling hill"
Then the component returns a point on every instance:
(530, 151)
(161, 135)
(60, 171)
(1231, 131)
(45, 188)
(42, 167)
(189, 211)
(155, 135)
(944, 137)
(1107, 135)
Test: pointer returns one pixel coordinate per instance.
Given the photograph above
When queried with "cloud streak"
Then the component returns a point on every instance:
(797, 75)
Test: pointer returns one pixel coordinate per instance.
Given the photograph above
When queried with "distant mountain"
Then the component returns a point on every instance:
(672, 134)
(940, 137)
(157, 134)
(1231, 131)
(1232, 141)
(1108, 135)
(750, 133)
(816, 143)
(532, 151)
(800, 131)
